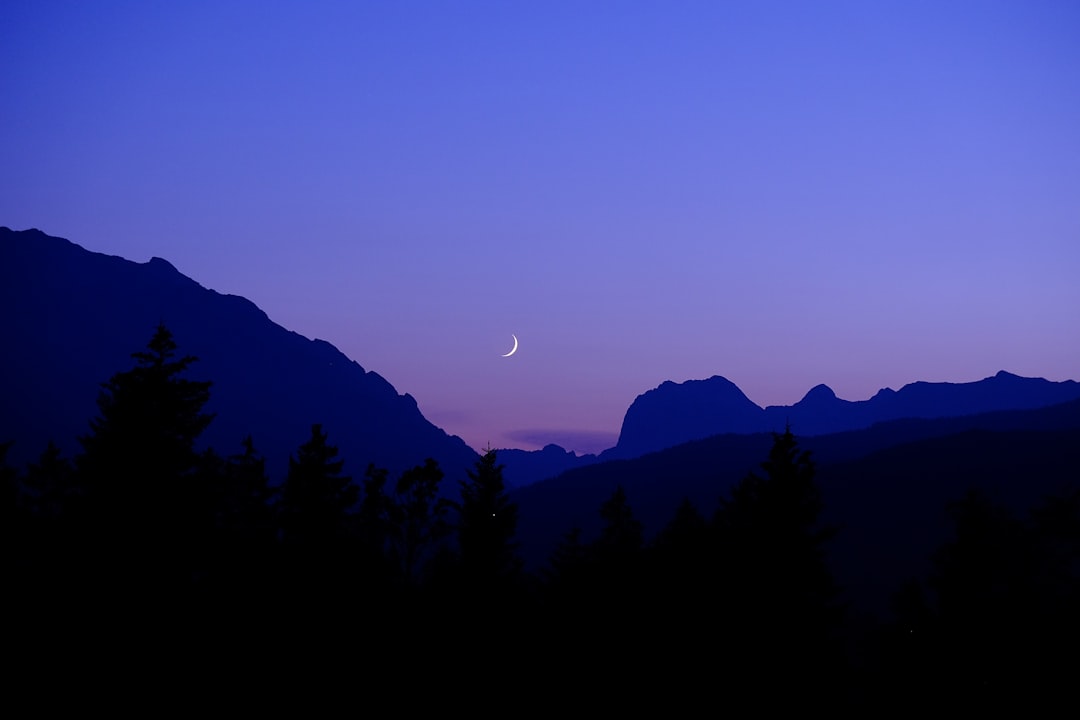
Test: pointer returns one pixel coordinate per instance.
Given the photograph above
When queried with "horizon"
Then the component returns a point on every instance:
(481, 450)
(781, 195)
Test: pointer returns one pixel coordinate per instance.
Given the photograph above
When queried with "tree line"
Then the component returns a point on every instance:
(739, 601)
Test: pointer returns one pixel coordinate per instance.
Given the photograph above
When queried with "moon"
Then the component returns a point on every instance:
(513, 349)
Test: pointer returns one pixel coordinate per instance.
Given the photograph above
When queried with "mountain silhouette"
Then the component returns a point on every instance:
(884, 486)
(71, 318)
(524, 467)
(675, 413)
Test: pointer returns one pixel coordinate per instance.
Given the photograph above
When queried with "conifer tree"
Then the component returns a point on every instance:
(418, 519)
(241, 523)
(779, 598)
(618, 550)
(486, 526)
(316, 498)
(139, 458)
(374, 530)
(246, 497)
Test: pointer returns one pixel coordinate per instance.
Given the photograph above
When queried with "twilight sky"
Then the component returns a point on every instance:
(862, 194)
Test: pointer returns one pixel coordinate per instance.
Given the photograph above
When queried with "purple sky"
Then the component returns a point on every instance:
(862, 194)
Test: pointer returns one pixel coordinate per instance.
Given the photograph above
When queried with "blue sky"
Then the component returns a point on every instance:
(862, 194)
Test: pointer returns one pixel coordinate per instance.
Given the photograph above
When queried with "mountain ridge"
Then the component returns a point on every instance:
(60, 272)
(703, 470)
(672, 413)
(77, 316)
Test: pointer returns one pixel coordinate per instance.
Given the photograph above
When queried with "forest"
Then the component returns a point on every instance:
(145, 540)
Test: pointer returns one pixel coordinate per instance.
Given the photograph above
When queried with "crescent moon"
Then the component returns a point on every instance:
(513, 349)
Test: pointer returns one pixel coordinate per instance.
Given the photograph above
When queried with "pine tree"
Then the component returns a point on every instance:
(242, 521)
(139, 458)
(246, 497)
(618, 550)
(779, 606)
(486, 527)
(418, 520)
(316, 499)
(678, 559)
(374, 530)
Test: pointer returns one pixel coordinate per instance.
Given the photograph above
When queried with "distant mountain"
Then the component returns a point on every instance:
(885, 486)
(524, 467)
(674, 413)
(70, 319)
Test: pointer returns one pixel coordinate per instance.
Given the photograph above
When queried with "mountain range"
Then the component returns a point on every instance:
(676, 413)
(887, 466)
(71, 318)
(885, 487)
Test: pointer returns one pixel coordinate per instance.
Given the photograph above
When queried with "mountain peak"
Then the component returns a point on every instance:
(674, 412)
(161, 264)
(819, 393)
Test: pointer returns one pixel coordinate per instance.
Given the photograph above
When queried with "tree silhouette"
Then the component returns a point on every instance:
(779, 598)
(418, 520)
(242, 526)
(678, 563)
(316, 498)
(246, 497)
(594, 592)
(984, 579)
(618, 550)
(374, 528)
(139, 458)
(487, 522)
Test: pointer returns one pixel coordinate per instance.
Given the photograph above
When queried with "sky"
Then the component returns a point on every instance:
(860, 194)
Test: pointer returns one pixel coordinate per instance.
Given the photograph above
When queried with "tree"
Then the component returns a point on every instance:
(984, 580)
(678, 558)
(418, 523)
(316, 498)
(374, 531)
(618, 550)
(245, 497)
(139, 458)
(779, 598)
(487, 521)
(242, 522)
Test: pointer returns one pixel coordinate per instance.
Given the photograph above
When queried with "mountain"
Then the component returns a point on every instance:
(70, 319)
(674, 413)
(885, 487)
(525, 467)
